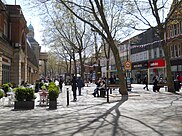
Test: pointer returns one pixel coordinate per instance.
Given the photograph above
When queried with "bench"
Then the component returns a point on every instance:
(158, 86)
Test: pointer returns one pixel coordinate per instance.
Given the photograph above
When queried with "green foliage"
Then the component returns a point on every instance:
(43, 87)
(10, 84)
(53, 91)
(24, 94)
(1, 93)
(6, 88)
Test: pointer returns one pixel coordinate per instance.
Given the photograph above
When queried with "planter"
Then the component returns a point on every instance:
(53, 105)
(24, 105)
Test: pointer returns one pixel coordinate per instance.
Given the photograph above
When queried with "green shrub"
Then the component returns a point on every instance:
(43, 87)
(10, 84)
(24, 94)
(6, 88)
(53, 91)
(1, 94)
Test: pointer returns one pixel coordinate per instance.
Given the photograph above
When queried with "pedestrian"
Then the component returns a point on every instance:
(60, 83)
(74, 87)
(155, 82)
(112, 80)
(145, 81)
(98, 86)
(80, 85)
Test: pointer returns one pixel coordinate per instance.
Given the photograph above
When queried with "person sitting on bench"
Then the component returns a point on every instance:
(100, 85)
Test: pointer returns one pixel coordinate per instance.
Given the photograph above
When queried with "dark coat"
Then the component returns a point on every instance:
(74, 84)
(80, 83)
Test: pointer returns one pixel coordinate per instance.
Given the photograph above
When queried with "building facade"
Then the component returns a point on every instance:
(17, 59)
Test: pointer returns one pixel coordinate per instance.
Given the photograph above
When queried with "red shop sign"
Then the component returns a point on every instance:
(157, 63)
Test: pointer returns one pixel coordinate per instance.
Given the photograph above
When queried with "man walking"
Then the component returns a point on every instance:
(74, 87)
(145, 81)
(80, 85)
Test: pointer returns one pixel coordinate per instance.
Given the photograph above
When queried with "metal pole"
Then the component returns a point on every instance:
(107, 94)
(67, 96)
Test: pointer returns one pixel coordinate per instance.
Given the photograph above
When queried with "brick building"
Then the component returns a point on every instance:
(18, 61)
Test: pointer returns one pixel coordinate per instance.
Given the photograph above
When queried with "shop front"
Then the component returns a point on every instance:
(176, 67)
(139, 70)
(157, 67)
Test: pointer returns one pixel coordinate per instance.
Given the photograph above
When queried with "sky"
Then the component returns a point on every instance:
(34, 20)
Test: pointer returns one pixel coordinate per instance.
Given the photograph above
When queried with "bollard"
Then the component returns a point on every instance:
(107, 95)
(67, 96)
(110, 90)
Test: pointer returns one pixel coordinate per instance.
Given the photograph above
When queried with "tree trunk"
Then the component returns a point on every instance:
(170, 82)
(82, 65)
(122, 82)
(166, 48)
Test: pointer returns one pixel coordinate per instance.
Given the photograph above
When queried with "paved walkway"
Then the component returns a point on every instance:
(145, 113)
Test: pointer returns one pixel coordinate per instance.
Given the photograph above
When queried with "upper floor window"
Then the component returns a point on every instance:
(180, 25)
(176, 50)
(5, 28)
(175, 29)
(155, 53)
(172, 51)
(150, 54)
(160, 52)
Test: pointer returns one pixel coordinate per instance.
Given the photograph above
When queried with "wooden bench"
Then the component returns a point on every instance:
(113, 87)
(159, 85)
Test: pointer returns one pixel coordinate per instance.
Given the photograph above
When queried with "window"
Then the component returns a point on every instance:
(172, 51)
(145, 56)
(136, 57)
(175, 29)
(180, 27)
(160, 52)
(180, 50)
(5, 28)
(155, 53)
(6, 73)
(150, 54)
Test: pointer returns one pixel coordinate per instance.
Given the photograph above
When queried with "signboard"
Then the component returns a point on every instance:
(127, 65)
(140, 65)
(157, 63)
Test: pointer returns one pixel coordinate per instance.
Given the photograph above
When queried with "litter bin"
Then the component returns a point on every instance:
(177, 85)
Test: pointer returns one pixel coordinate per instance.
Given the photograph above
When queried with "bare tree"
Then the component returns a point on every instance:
(96, 19)
(152, 14)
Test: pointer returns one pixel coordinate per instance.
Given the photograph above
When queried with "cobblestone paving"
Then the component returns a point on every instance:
(145, 113)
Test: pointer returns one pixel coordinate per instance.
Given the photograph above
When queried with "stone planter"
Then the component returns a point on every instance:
(24, 105)
(52, 105)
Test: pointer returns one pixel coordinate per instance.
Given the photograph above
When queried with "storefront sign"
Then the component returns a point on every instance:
(157, 63)
(140, 65)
